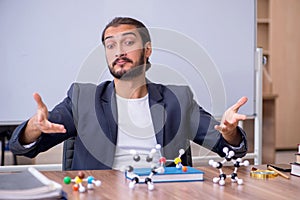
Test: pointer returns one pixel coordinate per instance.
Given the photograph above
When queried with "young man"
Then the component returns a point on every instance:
(127, 113)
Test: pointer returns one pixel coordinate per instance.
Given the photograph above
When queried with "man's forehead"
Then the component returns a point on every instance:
(121, 30)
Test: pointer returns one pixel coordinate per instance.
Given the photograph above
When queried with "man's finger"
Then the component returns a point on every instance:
(38, 100)
(221, 128)
(57, 128)
(48, 127)
(239, 117)
(239, 103)
(218, 128)
(227, 123)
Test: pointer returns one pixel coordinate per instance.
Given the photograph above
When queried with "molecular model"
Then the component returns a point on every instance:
(79, 179)
(236, 163)
(155, 168)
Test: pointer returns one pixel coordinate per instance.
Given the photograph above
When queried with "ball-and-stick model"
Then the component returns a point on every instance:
(178, 161)
(79, 179)
(236, 163)
(156, 168)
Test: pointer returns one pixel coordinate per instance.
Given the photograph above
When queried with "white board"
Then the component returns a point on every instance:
(46, 45)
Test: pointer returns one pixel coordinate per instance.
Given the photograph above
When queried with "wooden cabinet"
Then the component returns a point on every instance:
(264, 25)
(278, 33)
(286, 67)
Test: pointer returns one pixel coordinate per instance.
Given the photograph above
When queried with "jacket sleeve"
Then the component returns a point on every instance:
(204, 133)
(61, 114)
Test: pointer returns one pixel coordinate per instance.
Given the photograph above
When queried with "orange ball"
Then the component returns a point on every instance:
(75, 187)
(184, 169)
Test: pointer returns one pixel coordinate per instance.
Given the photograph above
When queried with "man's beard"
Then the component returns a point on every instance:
(132, 73)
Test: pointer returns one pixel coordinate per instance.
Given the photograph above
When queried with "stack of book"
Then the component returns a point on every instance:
(171, 174)
(295, 166)
(29, 184)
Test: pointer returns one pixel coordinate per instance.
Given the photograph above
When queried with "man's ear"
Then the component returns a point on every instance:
(148, 49)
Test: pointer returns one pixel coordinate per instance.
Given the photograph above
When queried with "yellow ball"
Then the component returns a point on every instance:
(77, 180)
(177, 160)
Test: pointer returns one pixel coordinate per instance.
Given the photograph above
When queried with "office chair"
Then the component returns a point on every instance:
(5, 135)
(68, 153)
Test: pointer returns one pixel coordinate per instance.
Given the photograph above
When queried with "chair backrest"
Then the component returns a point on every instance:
(68, 153)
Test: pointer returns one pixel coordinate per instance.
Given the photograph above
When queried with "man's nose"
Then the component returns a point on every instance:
(120, 52)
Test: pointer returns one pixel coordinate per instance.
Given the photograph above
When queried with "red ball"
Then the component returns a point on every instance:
(163, 160)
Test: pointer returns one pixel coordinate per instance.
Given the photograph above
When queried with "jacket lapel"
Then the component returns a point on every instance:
(109, 106)
(157, 109)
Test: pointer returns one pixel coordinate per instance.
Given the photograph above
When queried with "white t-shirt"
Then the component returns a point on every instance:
(135, 132)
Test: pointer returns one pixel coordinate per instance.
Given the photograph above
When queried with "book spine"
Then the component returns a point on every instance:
(297, 158)
(292, 173)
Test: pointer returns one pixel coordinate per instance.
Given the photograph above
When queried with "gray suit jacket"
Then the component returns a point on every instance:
(89, 113)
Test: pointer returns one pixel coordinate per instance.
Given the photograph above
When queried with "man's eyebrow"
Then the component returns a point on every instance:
(129, 33)
(123, 34)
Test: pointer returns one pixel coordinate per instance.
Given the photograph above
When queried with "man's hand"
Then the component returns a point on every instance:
(230, 121)
(41, 118)
(39, 123)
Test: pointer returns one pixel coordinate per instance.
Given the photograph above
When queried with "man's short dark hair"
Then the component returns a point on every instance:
(143, 31)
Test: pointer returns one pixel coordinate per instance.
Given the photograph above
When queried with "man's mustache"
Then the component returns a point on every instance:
(122, 58)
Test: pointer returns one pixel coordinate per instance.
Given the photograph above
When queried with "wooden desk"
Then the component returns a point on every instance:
(114, 186)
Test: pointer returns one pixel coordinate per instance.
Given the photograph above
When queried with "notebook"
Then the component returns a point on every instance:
(29, 184)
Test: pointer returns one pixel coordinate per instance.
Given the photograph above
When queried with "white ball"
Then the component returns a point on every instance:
(231, 154)
(81, 189)
(150, 186)
(246, 163)
(90, 186)
(181, 151)
(216, 165)
(97, 183)
(153, 151)
(222, 182)
(225, 150)
(131, 185)
(216, 180)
